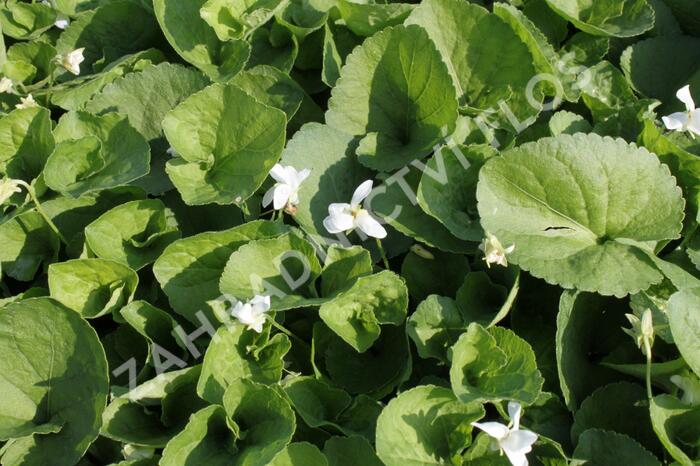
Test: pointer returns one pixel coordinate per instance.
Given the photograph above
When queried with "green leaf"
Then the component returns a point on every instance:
(21, 20)
(676, 425)
(437, 272)
(316, 402)
(236, 352)
(74, 94)
(624, 18)
(342, 267)
(400, 109)
(265, 418)
(301, 17)
(486, 75)
(134, 233)
(271, 87)
(373, 300)
(684, 321)
(426, 425)
(564, 122)
(397, 204)
(189, 269)
(365, 18)
(607, 91)
(235, 20)
(156, 325)
(488, 298)
(108, 33)
(28, 242)
(435, 326)
(545, 58)
(687, 14)
(92, 287)
(281, 267)
(54, 371)
(619, 407)
(94, 153)
(659, 66)
(447, 189)
(195, 41)
(494, 365)
(299, 454)
(335, 172)
(375, 373)
(588, 327)
(36, 56)
(350, 451)
(129, 422)
(71, 216)
(582, 211)
(132, 95)
(226, 142)
(606, 448)
(207, 438)
(25, 142)
(275, 46)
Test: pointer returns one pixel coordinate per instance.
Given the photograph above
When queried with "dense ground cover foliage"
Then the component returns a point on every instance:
(349, 232)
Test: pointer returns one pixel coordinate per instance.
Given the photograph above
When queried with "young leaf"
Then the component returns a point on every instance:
(494, 365)
(189, 269)
(299, 454)
(92, 287)
(265, 419)
(226, 142)
(25, 142)
(237, 353)
(94, 153)
(425, 425)
(134, 233)
(195, 41)
(373, 300)
(488, 77)
(400, 108)
(624, 18)
(207, 437)
(133, 96)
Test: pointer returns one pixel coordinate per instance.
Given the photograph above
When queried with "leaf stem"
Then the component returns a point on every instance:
(282, 329)
(383, 254)
(647, 351)
(41, 211)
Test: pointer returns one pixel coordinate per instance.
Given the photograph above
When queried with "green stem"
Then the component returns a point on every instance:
(647, 350)
(381, 251)
(48, 94)
(282, 329)
(41, 212)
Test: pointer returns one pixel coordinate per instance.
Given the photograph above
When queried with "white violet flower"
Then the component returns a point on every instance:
(642, 329)
(684, 121)
(252, 313)
(62, 21)
(690, 385)
(494, 252)
(5, 85)
(72, 61)
(347, 217)
(27, 102)
(8, 187)
(285, 193)
(510, 439)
